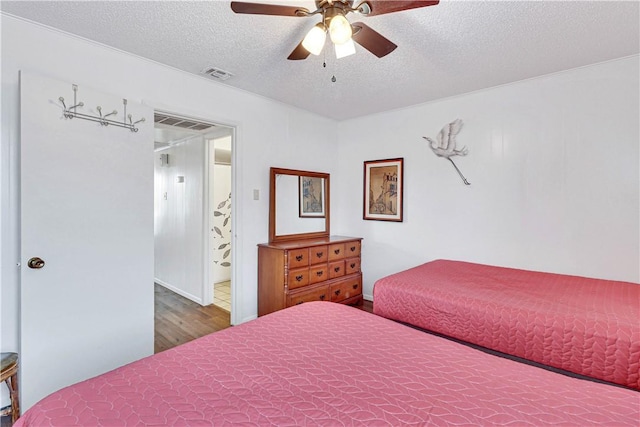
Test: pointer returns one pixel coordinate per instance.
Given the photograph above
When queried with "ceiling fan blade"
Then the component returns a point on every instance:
(372, 40)
(268, 9)
(299, 53)
(380, 7)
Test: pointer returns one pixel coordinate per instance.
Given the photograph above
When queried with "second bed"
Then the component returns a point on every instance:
(590, 327)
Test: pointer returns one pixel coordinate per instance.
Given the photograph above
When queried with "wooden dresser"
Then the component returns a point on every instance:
(297, 271)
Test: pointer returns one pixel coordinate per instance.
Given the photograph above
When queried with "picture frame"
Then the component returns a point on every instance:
(311, 197)
(383, 190)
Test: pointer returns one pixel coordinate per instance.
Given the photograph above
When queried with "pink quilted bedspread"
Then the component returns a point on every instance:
(322, 363)
(587, 326)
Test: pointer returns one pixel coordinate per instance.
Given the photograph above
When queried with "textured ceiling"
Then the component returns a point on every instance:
(444, 50)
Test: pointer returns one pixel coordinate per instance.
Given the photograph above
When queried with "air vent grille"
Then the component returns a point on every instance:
(217, 73)
(181, 123)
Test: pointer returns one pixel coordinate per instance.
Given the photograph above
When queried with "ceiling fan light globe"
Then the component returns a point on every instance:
(340, 29)
(315, 38)
(345, 49)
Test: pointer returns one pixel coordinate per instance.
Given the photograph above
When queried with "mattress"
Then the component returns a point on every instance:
(586, 326)
(323, 363)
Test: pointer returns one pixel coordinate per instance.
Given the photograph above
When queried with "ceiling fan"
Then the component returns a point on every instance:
(334, 21)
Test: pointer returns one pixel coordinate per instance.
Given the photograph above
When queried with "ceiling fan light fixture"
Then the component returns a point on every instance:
(345, 49)
(315, 38)
(363, 8)
(340, 29)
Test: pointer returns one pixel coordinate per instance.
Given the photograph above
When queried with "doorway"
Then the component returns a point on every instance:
(193, 186)
(220, 194)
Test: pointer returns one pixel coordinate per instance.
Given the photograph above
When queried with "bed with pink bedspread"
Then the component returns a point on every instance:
(322, 363)
(590, 327)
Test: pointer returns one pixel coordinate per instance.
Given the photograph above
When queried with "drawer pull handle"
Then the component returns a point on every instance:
(319, 273)
(337, 251)
(353, 248)
(322, 297)
(299, 278)
(337, 269)
(319, 254)
(355, 286)
(299, 258)
(337, 292)
(353, 265)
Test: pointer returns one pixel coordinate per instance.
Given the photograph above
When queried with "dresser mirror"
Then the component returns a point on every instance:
(298, 205)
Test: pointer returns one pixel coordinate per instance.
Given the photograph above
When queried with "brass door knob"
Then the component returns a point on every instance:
(35, 263)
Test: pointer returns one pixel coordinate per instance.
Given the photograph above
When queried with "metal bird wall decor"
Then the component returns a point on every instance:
(445, 146)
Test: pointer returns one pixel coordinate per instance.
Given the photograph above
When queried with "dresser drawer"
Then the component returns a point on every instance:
(318, 273)
(318, 254)
(351, 265)
(352, 249)
(336, 251)
(346, 289)
(336, 269)
(320, 293)
(298, 258)
(300, 270)
(298, 278)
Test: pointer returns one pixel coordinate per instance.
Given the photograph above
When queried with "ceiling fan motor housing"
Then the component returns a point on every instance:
(331, 8)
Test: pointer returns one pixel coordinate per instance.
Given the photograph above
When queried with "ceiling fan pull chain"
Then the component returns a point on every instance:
(335, 70)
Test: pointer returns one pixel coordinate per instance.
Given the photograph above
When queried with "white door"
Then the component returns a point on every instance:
(87, 212)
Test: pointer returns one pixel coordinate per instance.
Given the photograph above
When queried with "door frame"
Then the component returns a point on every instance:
(236, 252)
(208, 294)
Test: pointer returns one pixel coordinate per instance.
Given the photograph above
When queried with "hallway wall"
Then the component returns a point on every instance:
(179, 226)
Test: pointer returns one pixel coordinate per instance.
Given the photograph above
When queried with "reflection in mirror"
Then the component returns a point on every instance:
(294, 214)
(311, 196)
(299, 204)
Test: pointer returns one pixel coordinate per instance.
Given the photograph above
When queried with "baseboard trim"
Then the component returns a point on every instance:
(178, 291)
(246, 319)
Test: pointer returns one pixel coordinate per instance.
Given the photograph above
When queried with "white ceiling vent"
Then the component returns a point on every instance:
(181, 123)
(216, 73)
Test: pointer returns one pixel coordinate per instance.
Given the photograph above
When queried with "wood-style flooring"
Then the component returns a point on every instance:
(179, 320)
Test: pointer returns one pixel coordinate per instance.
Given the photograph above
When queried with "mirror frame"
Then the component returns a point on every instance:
(272, 205)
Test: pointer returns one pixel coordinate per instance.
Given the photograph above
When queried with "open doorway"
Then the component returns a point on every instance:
(220, 194)
(193, 209)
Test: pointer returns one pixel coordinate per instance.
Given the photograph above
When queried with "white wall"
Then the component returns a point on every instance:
(268, 134)
(179, 225)
(554, 169)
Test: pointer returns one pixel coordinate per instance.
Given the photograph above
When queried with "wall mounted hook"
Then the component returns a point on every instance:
(71, 113)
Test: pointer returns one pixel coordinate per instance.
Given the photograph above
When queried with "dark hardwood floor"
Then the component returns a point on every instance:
(366, 306)
(179, 320)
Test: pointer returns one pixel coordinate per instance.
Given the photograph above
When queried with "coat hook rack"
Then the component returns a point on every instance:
(72, 112)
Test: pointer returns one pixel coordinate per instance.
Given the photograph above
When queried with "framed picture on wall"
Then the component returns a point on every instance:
(311, 190)
(383, 189)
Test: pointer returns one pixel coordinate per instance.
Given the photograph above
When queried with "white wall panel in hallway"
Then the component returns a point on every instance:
(179, 224)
